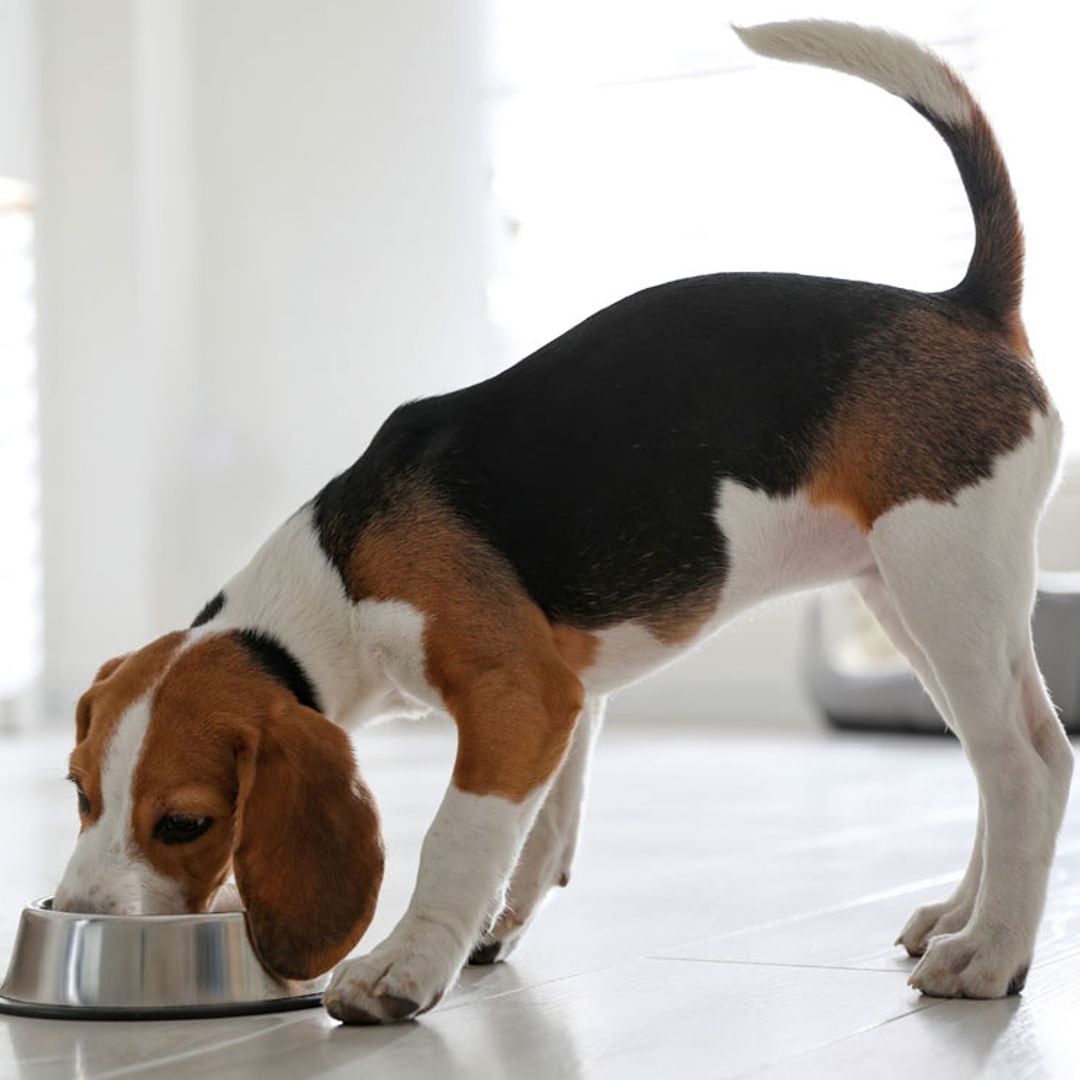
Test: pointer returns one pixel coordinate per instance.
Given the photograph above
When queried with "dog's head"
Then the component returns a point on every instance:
(190, 762)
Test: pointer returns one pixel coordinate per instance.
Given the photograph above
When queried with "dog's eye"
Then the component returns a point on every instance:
(181, 828)
(84, 799)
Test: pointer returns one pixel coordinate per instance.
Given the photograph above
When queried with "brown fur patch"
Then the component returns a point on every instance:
(578, 648)
(934, 404)
(489, 651)
(682, 622)
(290, 813)
(119, 683)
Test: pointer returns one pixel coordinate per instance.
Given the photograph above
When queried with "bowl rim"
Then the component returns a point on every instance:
(305, 995)
(43, 906)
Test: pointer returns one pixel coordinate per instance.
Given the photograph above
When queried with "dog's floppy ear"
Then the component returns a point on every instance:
(308, 856)
(82, 709)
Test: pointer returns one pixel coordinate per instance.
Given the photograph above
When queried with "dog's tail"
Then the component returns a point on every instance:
(994, 277)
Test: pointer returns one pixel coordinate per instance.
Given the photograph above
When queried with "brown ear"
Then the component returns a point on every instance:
(82, 709)
(308, 858)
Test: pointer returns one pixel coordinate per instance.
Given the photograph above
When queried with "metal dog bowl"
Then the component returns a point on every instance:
(119, 967)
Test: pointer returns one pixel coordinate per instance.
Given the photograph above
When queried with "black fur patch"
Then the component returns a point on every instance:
(593, 464)
(994, 279)
(278, 662)
(210, 610)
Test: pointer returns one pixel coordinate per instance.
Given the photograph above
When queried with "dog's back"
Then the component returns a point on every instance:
(593, 465)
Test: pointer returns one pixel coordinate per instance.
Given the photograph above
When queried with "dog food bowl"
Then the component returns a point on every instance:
(120, 967)
(859, 689)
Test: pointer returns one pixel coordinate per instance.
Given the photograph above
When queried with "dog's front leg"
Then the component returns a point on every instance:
(549, 851)
(467, 856)
(512, 738)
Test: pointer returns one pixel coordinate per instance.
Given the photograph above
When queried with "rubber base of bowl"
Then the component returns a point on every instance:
(155, 1012)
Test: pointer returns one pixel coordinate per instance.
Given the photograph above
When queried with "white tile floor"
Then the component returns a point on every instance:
(731, 914)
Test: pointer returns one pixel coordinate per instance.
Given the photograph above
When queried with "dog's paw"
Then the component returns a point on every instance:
(929, 921)
(509, 928)
(967, 965)
(488, 951)
(499, 942)
(386, 986)
(543, 867)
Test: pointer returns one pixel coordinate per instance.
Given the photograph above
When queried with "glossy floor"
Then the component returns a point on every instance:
(731, 914)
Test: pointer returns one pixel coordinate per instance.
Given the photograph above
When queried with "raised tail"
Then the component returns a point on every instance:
(994, 278)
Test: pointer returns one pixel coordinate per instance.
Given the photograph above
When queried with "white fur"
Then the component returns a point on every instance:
(627, 652)
(392, 631)
(106, 873)
(781, 545)
(961, 577)
(548, 854)
(291, 591)
(467, 856)
(893, 62)
(952, 914)
(775, 546)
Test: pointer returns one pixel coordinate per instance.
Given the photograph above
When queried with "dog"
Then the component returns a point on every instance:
(513, 552)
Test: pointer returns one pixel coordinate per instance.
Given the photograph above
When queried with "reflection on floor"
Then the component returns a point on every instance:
(731, 914)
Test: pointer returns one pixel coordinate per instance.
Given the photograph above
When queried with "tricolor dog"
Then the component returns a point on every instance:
(513, 552)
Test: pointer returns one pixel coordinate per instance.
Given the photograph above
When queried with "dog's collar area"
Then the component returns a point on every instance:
(280, 664)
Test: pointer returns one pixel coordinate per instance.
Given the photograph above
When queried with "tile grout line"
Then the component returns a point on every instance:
(930, 1003)
(451, 1006)
(172, 1059)
(848, 905)
(832, 909)
(776, 964)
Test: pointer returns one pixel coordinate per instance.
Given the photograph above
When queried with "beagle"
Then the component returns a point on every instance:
(513, 552)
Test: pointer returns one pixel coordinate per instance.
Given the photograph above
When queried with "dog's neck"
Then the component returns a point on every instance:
(291, 595)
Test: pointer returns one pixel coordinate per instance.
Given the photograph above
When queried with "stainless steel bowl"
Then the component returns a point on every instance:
(120, 967)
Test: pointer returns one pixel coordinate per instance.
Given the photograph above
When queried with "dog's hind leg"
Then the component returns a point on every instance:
(962, 578)
(952, 914)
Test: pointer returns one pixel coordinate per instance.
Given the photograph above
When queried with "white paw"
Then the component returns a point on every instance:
(930, 920)
(500, 941)
(970, 965)
(391, 983)
(539, 871)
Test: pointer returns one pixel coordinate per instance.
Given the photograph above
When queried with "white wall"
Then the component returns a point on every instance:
(18, 89)
(97, 427)
(262, 226)
(341, 165)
